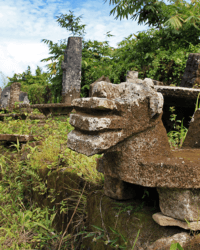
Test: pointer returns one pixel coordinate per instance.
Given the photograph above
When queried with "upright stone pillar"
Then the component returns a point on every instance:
(0, 96)
(14, 94)
(191, 76)
(71, 66)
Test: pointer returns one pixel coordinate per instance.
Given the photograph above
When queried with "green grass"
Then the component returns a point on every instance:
(24, 224)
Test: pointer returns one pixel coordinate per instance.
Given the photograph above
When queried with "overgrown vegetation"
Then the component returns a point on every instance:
(159, 53)
(24, 172)
(26, 178)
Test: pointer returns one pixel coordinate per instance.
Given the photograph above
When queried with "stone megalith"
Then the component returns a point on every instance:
(12, 94)
(191, 76)
(5, 96)
(123, 121)
(71, 66)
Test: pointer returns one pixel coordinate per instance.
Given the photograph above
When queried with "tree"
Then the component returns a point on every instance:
(159, 14)
(71, 23)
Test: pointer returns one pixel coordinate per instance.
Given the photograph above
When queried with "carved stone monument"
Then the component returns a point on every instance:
(71, 66)
(123, 121)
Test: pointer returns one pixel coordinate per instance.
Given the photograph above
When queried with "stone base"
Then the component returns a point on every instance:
(181, 204)
(163, 220)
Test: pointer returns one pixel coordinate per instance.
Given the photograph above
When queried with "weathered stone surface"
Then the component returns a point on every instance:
(23, 97)
(108, 213)
(14, 94)
(192, 139)
(165, 242)
(15, 137)
(178, 96)
(132, 137)
(71, 66)
(123, 104)
(191, 76)
(92, 123)
(94, 103)
(144, 159)
(158, 83)
(131, 76)
(164, 220)
(5, 96)
(102, 78)
(182, 204)
(118, 189)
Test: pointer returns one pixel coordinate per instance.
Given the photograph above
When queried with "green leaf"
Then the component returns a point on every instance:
(99, 228)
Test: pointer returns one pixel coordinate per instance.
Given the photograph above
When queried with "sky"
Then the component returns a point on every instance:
(24, 23)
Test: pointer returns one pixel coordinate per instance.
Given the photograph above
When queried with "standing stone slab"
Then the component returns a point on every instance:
(191, 76)
(5, 96)
(181, 204)
(14, 94)
(71, 66)
(0, 95)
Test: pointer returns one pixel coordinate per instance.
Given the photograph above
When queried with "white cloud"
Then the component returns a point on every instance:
(23, 23)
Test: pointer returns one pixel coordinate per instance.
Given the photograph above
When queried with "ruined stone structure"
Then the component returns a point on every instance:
(123, 121)
(191, 76)
(12, 94)
(71, 66)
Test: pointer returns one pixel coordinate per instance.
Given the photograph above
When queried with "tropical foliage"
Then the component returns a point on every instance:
(159, 53)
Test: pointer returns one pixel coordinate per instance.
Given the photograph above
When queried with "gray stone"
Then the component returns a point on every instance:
(182, 204)
(14, 94)
(23, 97)
(191, 76)
(127, 99)
(165, 242)
(178, 96)
(102, 78)
(9, 96)
(131, 76)
(164, 220)
(5, 96)
(71, 66)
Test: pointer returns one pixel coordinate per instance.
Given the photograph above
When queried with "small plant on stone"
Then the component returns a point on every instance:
(102, 236)
(176, 246)
(176, 137)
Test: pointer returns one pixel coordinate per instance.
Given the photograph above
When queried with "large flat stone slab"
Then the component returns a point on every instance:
(163, 220)
(178, 96)
(15, 137)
